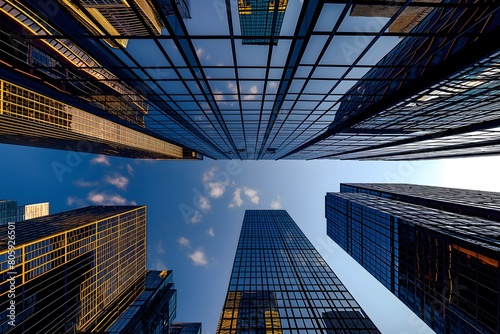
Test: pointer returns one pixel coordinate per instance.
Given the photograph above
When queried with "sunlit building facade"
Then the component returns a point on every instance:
(280, 284)
(69, 268)
(33, 119)
(436, 249)
(11, 212)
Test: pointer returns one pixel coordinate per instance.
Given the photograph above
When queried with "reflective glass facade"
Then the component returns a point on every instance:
(261, 20)
(71, 267)
(151, 312)
(280, 284)
(429, 97)
(340, 79)
(437, 249)
(185, 328)
(11, 212)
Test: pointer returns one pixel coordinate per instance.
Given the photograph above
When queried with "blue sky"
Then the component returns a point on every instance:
(195, 211)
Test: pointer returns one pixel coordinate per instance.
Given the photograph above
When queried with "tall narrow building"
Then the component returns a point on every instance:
(281, 284)
(82, 270)
(11, 212)
(436, 249)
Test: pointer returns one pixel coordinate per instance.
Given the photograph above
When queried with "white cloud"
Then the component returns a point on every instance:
(184, 242)
(85, 184)
(198, 258)
(71, 200)
(196, 217)
(252, 195)
(253, 90)
(204, 203)
(200, 52)
(105, 199)
(237, 201)
(276, 204)
(159, 264)
(216, 188)
(159, 247)
(101, 160)
(117, 180)
(219, 97)
(209, 174)
(232, 88)
(130, 170)
(210, 232)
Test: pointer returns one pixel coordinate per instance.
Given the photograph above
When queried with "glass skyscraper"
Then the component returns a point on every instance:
(417, 80)
(11, 212)
(436, 249)
(280, 284)
(185, 328)
(82, 270)
(261, 20)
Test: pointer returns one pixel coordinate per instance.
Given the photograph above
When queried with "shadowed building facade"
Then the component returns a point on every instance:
(436, 249)
(82, 271)
(280, 284)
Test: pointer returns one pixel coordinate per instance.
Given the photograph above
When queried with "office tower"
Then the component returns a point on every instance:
(152, 311)
(335, 86)
(261, 20)
(123, 18)
(69, 267)
(105, 116)
(33, 119)
(280, 283)
(185, 328)
(11, 212)
(427, 98)
(436, 249)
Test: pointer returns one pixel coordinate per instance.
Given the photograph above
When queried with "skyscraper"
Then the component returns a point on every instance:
(280, 283)
(152, 311)
(49, 99)
(436, 249)
(11, 212)
(428, 97)
(65, 269)
(185, 328)
(261, 20)
(326, 84)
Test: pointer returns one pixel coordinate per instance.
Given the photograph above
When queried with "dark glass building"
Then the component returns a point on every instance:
(261, 20)
(327, 81)
(185, 328)
(82, 271)
(436, 249)
(280, 284)
(429, 97)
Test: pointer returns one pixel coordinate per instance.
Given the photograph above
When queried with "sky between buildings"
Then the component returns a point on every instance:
(195, 211)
